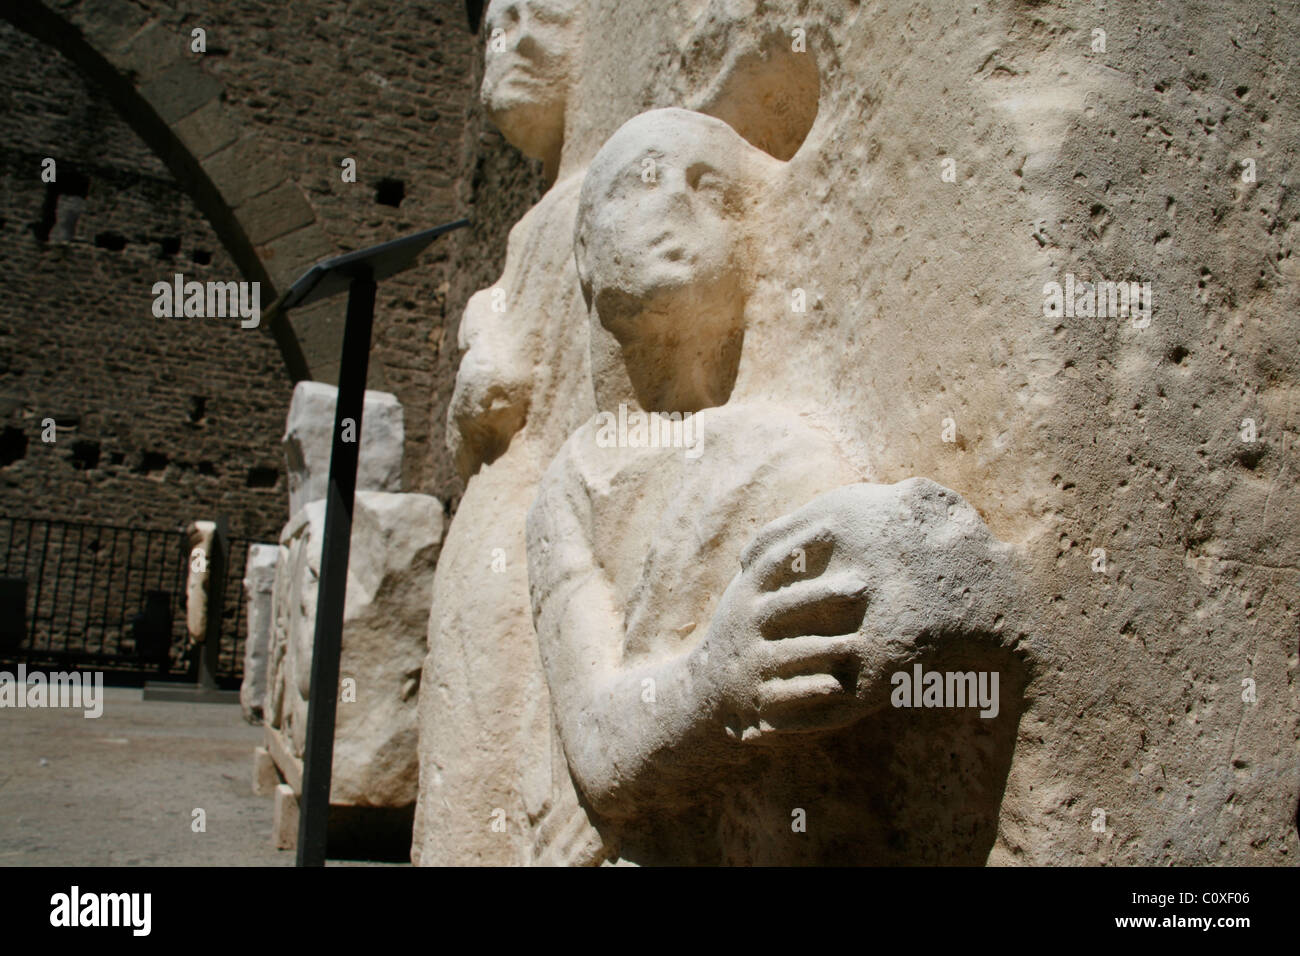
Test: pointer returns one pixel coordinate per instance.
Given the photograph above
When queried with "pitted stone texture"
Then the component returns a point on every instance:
(259, 584)
(920, 337)
(395, 544)
(309, 441)
(487, 746)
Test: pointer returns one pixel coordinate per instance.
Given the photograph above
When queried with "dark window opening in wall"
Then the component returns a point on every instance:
(201, 256)
(390, 192)
(207, 468)
(112, 241)
(152, 462)
(169, 247)
(85, 455)
(64, 200)
(198, 408)
(13, 446)
(263, 477)
(116, 458)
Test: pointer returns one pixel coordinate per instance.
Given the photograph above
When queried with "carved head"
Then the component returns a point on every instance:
(529, 70)
(661, 238)
(490, 400)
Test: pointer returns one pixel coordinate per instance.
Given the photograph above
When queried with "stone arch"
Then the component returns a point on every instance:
(145, 69)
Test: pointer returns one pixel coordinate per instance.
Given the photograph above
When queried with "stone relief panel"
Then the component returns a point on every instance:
(880, 289)
(678, 683)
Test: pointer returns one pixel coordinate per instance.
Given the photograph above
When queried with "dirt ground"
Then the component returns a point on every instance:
(121, 790)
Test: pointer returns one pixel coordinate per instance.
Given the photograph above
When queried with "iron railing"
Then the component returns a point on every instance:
(110, 598)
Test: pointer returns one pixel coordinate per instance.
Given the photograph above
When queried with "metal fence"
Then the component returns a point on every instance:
(110, 598)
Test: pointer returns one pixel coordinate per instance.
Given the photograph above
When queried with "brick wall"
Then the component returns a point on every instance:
(391, 85)
(159, 421)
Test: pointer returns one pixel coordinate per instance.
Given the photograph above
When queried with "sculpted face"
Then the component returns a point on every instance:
(490, 400)
(530, 51)
(660, 219)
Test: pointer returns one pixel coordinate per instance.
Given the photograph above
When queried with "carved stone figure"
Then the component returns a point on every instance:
(495, 788)
(530, 68)
(680, 685)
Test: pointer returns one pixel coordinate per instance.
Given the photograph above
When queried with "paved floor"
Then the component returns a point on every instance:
(121, 790)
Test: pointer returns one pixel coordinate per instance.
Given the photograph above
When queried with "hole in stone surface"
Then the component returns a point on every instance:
(1251, 454)
(390, 192)
(198, 408)
(207, 468)
(13, 445)
(152, 462)
(64, 200)
(1177, 354)
(262, 477)
(169, 247)
(765, 91)
(85, 455)
(112, 241)
(201, 256)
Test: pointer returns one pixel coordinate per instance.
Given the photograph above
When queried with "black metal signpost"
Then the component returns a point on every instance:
(358, 272)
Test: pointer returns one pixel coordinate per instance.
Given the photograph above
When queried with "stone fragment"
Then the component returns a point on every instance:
(284, 818)
(259, 583)
(395, 544)
(265, 777)
(309, 436)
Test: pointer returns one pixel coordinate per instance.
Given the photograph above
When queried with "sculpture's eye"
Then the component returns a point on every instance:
(548, 14)
(703, 178)
(508, 18)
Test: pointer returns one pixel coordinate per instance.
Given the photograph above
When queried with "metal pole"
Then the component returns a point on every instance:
(318, 755)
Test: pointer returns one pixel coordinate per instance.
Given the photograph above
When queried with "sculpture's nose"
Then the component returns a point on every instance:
(671, 199)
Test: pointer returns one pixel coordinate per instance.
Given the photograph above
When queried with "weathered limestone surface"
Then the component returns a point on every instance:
(981, 477)
(259, 583)
(395, 542)
(487, 752)
(308, 440)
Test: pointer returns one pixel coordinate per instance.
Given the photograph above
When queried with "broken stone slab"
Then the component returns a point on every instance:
(309, 440)
(396, 539)
(259, 583)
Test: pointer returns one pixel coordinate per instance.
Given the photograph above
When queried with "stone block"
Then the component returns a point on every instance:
(180, 90)
(275, 213)
(308, 441)
(242, 170)
(289, 255)
(284, 818)
(205, 131)
(265, 776)
(259, 583)
(395, 543)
